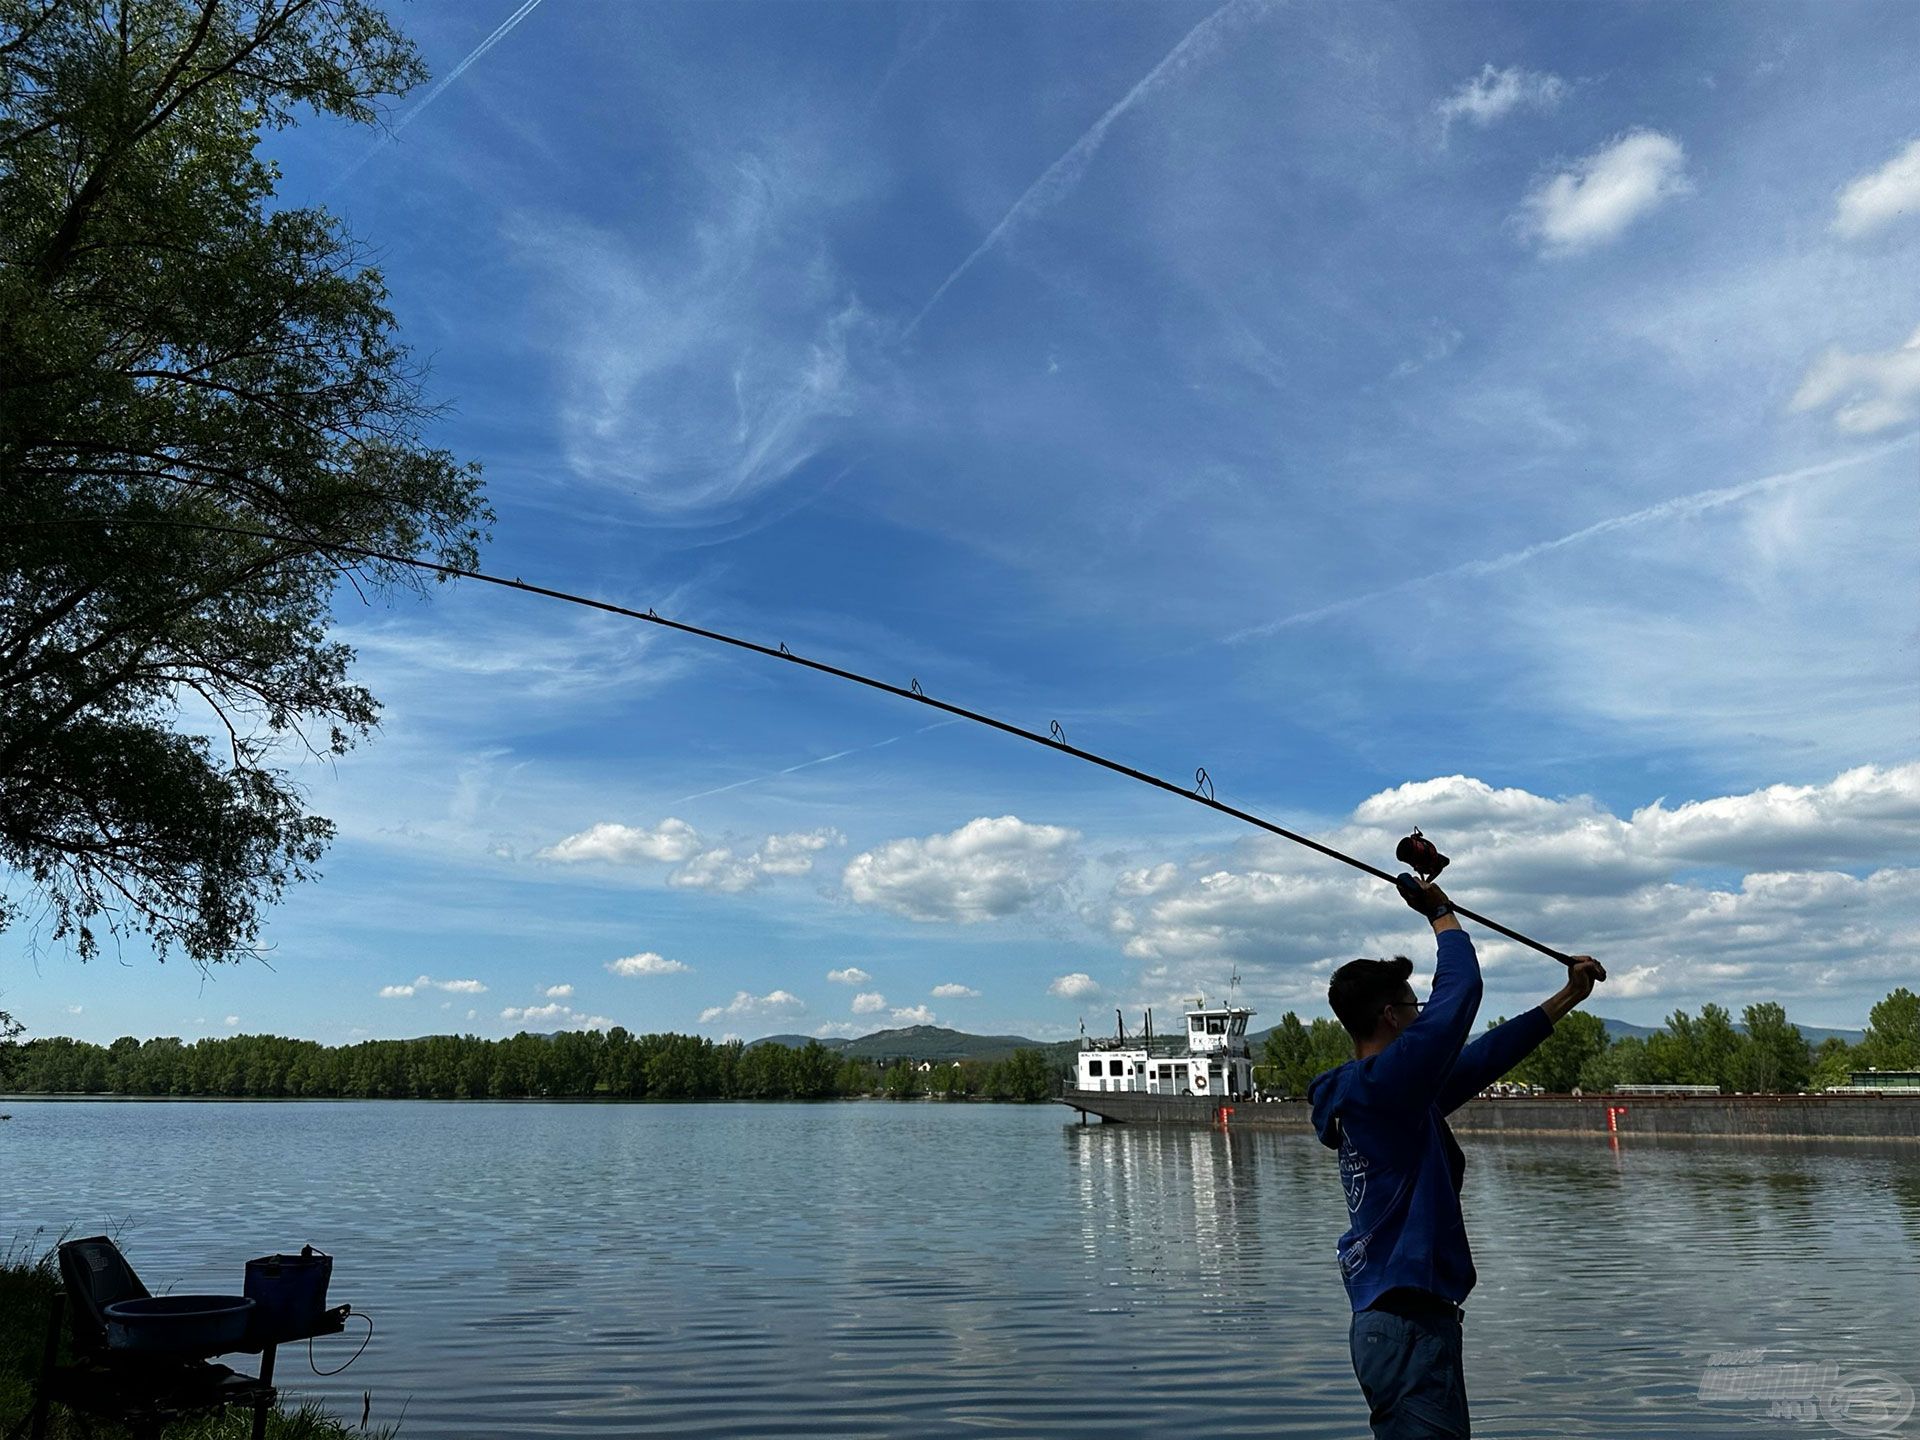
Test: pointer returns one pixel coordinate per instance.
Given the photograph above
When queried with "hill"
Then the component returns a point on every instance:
(918, 1042)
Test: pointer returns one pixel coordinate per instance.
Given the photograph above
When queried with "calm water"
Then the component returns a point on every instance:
(926, 1270)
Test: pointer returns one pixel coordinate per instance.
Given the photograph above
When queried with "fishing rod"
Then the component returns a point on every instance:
(1416, 850)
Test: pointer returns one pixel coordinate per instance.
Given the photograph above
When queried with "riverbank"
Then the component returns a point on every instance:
(28, 1285)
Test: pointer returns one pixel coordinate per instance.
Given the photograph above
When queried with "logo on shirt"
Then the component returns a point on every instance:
(1353, 1174)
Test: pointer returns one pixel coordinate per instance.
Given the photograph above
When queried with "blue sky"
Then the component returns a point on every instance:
(1504, 419)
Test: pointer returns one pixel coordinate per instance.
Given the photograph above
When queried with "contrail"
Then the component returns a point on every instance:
(1683, 505)
(500, 32)
(820, 760)
(1065, 173)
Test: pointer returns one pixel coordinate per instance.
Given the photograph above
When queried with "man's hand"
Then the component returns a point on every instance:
(1581, 975)
(1423, 897)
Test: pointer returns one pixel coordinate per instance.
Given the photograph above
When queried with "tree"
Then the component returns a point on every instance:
(1578, 1040)
(1773, 1057)
(176, 353)
(1892, 1041)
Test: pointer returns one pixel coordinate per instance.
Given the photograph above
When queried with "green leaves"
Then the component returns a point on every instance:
(174, 354)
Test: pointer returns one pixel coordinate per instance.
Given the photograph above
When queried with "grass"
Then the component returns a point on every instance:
(29, 1280)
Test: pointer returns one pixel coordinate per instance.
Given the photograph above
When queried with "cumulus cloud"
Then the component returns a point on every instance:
(1148, 881)
(1596, 198)
(951, 991)
(1873, 201)
(870, 1002)
(1495, 94)
(1077, 986)
(645, 963)
(427, 982)
(1756, 892)
(555, 1016)
(986, 870)
(559, 992)
(1868, 392)
(745, 1003)
(852, 975)
(913, 1015)
(727, 869)
(669, 842)
(231, 1021)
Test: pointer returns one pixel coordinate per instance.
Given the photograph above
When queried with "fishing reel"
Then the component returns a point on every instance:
(1421, 856)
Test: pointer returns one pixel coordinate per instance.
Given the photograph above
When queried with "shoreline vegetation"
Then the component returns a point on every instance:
(569, 1065)
(28, 1284)
(1763, 1053)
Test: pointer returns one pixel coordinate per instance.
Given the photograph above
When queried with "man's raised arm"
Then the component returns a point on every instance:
(1415, 1066)
(1506, 1045)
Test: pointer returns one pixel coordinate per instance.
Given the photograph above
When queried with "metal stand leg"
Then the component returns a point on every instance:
(265, 1402)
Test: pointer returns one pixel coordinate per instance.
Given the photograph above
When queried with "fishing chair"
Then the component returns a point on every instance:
(143, 1393)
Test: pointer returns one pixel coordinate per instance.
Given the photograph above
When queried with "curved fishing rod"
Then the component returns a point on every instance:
(1201, 792)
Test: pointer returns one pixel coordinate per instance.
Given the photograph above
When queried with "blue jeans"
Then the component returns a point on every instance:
(1409, 1369)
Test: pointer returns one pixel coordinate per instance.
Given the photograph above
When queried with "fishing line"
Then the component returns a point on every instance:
(1200, 793)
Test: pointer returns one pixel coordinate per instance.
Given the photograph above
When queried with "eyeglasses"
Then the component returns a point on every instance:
(1417, 1005)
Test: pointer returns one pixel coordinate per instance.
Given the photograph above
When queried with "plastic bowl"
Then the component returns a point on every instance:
(180, 1325)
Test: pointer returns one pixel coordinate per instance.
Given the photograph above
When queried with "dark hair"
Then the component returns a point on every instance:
(1361, 989)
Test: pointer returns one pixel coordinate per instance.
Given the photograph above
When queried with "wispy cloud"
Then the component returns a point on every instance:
(1058, 179)
(809, 764)
(1681, 506)
(1495, 94)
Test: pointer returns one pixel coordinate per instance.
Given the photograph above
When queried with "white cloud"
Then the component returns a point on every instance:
(1573, 874)
(555, 1017)
(793, 854)
(231, 1021)
(667, 843)
(717, 870)
(913, 1015)
(869, 1002)
(1596, 198)
(75, 1009)
(427, 982)
(1871, 392)
(985, 870)
(645, 963)
(1077, 986)
(852, 975)
(559, 992)
(952, 991)
(1495, 94)
(744, 1003)
(1147, 881)
(1871, 202)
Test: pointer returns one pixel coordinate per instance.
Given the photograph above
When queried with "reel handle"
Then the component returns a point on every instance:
(1420, 855)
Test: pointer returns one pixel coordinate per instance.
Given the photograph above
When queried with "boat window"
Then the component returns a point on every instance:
(1239, 1025)
(1216, 1026)
(1193, 1023)
(1093, 1067)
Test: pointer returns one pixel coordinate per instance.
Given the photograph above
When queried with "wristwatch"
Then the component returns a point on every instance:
(1446, 909)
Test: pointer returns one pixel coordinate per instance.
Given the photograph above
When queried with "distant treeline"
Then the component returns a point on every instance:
(570, 1065)
(1771, 1056)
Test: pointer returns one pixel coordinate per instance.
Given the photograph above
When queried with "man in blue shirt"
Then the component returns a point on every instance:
(1405, 1257)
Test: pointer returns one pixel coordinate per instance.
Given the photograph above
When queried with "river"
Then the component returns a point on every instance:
(877, 1269)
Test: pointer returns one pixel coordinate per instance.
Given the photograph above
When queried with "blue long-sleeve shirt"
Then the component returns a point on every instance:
(1400, 1166)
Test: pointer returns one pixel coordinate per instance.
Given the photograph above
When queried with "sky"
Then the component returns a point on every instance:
(1499, 419)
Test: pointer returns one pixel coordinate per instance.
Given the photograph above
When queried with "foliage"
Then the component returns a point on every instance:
(1557, 1065)
(1892, 1041)
(176, 352)
(1294, 1053)
(572, 1064)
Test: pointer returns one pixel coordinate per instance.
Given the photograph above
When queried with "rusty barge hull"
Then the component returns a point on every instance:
(1731, 1117)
